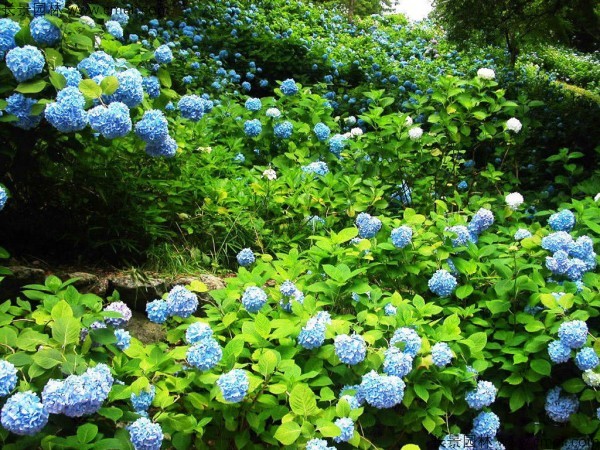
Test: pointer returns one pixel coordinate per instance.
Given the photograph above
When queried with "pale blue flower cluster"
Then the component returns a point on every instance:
(122, 309)
(317, 168)
(486, 425)
(318, 444)
(111, 122)
(483, 395)
(481, 221)
(573, 334)
(115, 29)
(131, 88)
(204, 354)
(562, 221)
(463, 235)
(78, 395)
(158, 311)
(397, 362)
(345, 424)
(253, 104)
(441, 354)
(559, 352)
(8, 30)
(67, 113)
(24, 414)
(145, 435)
(389, 310)
(560, 408)
(350, 349)
(123, 339)
(283, 130)
(337, 144)
(153, 129)
(20, 106)
(182, 302)
(252, 128)
(410, 339)
(234, 385)
(587, 358)
(98, 63)
(442, 283)
(402, 236)
(163, 54)
(253, 299)
(197, 331)
(44, 32)
(142, 402)
(8, 372)
(151, 85)
(521, 234)
(381, 391)
(192, 107)
(312, 334)
(25, 62)
(322, 131)
(119, 15)
(368, 226)
(245, 257)
(288, 87)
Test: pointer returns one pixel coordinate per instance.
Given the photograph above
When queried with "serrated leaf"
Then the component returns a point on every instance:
(48, 358)
(66, 331)
(90, 89)
(302, 401)
(109, 85)
(61, 309)
(287, 433)
(267, 362)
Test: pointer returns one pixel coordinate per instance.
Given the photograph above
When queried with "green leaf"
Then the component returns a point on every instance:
(164, 77)
(329, 430)
(61, 309)
(48, 358)
(66, 331)
(541, 366)
(302, 401)
(287, 433)
(517, 400)
(109, 85)
(477, 341)
(86, 433)
(90, 89)
(29, 340)
(345, 235)
(8, 337)
(262, 325)
(111, 413)
(31, 87)
(464, 291)
(268, 362)
(497, 306)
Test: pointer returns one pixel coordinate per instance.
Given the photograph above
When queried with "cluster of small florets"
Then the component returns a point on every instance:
(312, 334)
(44, 32)
(123, 339)
(8, 29)
(163, 54)
(441, 354)
(8, 377)
(290, 293)
(142, 401)
(521, 234)
(253, 299)
(145, 435)
(486, 74)
(273, 113)
(180, 302)
(245, 257)
(513, 124)
(381, 391)
(410, 339)
(514, 200)
(112, 121)
(253, 104)
(401, 236)
(289, 87)
(442, 283)
(368, 226)
(98, 63)
(350, 349)
(483, 395)
(397, 362)
(560, 408)
(192, 107)
(204, 353)
(415, 133)
(78, 395)
(283, 130)
(151, 85)
(317, 168)
(345, 424)
(25, 62)
(485, 425)
(121, 308)
(3, 197)
(252, 128)
(463, 235)
(562, 221)
(322, 131)
(120, 15)
(153, 129)
(318, 444)
(579, 443)
(115, 29)
(337, 144)
(234, 385)
(24, 414)
(480, 222)
(67, 113)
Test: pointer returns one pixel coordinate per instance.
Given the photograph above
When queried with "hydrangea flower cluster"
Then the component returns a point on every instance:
(24, 414)
(111, 122)
(119, 15)
(273, 113)
(131, 88)
(192, 107)
(204, 354)
(345, 424)
(514, 200)
(8, 376)
(252, 128)
(163, 54)
(483, 395)
(25, 62)
(312, 334)
(197, 331)
(521, 234)
(67, 113)
(513, 124)
(122, 309)
(3, 197)
(253, 104)
(389, 310)
(368, 226)
(562, 221)
(98, 63)
(234, 385)
(153, 129)
(115, 29)
(397, 362)
(463, 235)
(20, 106)
(78, 395)
(481, 221)
(253, 299)
(402, 236)
(288, 87)
(485, 425)
(381, 391)
(573, 334)
(486, 74)
(151, 85)
(317, 168)
(182, 302)
(318, 444)
(441, 354)
(410, 339)
(442, 283)
(560, 408)
(8, 29)
(142, 402)
(586, 359)
(559, 352)
(44, 32)
(123, 339)
(337, 143)
(415, 133)
(145, 435)
(245, 257)
(350, 349)
(283, 130)
(322, 131)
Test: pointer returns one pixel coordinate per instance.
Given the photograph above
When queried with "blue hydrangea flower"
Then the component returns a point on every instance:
(582, 248)
(98, 63)
(111, 122)
(481, 221)
(317, 168)
(397, 362)
(522, 233)
(368, 226)
(67, 113)
(197, 331)
(52, 396)
(345, 424)
(151, 85)
(71, 74)
(8, 372)
(245, 257)
(312, 334)
(337, 144)
(166, 148)
(24, 414)
(253, 299)
(561, 240)
(123, 339)
(158, 311)
(352, 401)
(145, 435)
(290, 293)
(381, 391)
(462, 186)
(115, 29)
(204, 354)
(318, 444)
(253, 104)
(25, 62)
(234, 385)
(562, 221)
(283, 130)
(122, 309)
(42, 7)
(559, 263)
(573, 334)
(560, 408)
(463, 235)
(389, 310)
(410, 338)
(579, 443)
(252, 128)
(192, 107)
(350, 349)
(44, 32)
(182, 302)
(402, 236)
(153, 127)
(163, 54)
(8, 30)
(143, 401)
(559, 353)
(442, 283)
(20, 106)
(441, 354)
(130, 90)
(483, 395)
(322, 131)
(288, 87)
(586, 358)
(485, 424)
(120, 15)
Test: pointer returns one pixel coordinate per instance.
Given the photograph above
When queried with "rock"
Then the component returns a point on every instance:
(87, 282)
(147, 332)
(136, 293)
(12, 285)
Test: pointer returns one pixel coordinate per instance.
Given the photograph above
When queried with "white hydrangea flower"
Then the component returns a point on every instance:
(408, 122)
(350, 120)
(415, 133)
(514, 200)
(270, 174)
(86, 20)
(273, 112)
(486, 74)
(514, 124)
(356, 131)
(591, 378)
(347, 135)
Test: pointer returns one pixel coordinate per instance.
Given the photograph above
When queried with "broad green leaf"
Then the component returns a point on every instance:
(66, 331)
(90, 89)
(302, 401)
(287, 433)
(86, 433)
(48, 358)
(541, 366)
(61, 309)
(31, 87)
(268, 362)
(109, 85)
